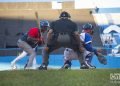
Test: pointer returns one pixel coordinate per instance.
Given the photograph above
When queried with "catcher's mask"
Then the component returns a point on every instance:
(44, 24)
(88, 27)
(64, 14)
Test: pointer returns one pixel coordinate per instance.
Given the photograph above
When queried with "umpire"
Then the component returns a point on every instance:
(62, 33)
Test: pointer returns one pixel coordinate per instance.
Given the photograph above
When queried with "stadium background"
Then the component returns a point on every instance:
(17, 19)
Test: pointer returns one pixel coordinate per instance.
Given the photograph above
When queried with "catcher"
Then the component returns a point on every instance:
(86, 37)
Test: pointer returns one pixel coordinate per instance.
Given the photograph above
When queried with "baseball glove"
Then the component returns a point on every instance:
(101, 58)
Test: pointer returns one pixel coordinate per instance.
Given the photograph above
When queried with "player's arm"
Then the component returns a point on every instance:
(89, 47)
(79, 41)
(38, 41)
(49, 35)
(29, 38)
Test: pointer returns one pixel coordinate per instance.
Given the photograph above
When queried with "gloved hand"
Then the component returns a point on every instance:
(101, 58)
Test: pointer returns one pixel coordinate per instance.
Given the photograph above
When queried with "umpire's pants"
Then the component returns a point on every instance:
(58, 42)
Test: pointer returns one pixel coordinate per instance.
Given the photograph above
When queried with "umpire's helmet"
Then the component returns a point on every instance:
(87, 26)
(64, 14)
(44, 24)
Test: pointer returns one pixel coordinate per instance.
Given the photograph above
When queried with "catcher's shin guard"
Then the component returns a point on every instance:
(89, 57)
(87, 63)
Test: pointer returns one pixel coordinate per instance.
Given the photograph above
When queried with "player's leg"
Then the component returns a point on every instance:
(13, 63)
(67, 57)
(32, 54)
(34, 60)
(79, 55)
(50, 42)
(77, 46)
(45, 56)
(26, 47)
(87, 64)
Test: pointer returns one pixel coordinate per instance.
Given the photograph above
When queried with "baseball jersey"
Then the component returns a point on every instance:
(87, 39)
(34, 33)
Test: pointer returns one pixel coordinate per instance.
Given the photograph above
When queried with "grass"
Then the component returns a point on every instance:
(97, 77)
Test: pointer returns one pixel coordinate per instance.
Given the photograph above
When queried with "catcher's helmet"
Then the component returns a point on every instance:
(64, 14)
(44, 24)
(87, 26)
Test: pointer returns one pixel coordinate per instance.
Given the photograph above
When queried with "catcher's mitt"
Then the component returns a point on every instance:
(101, 58)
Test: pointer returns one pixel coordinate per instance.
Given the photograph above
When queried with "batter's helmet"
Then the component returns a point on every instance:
(87, 26)
(64, 14)
(44, 24)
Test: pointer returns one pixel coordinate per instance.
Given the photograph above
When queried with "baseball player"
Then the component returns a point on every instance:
(86, 37)
(29, 43)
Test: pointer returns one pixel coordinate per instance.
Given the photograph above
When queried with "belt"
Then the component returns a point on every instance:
(63, 33)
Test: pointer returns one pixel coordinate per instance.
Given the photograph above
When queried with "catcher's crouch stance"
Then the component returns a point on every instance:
(86, 37)
(62, 33)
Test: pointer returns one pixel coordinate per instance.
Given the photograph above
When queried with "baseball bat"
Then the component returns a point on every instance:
(38, 21)
(38, 24)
